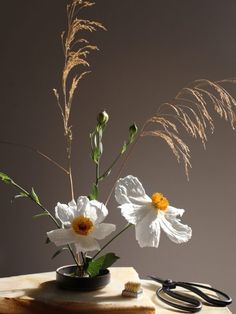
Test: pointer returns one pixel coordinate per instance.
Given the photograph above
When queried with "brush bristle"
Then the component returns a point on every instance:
(132, 289)
(132, 286)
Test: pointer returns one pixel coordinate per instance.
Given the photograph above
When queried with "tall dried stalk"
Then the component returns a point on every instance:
(76, 50)
(190, 109)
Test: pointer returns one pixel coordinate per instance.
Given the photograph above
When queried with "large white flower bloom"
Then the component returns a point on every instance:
(82, 224)
(149, 215)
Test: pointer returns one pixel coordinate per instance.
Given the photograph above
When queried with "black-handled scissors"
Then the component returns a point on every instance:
(190, 304)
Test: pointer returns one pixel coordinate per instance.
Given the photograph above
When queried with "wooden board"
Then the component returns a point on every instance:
(38, 293)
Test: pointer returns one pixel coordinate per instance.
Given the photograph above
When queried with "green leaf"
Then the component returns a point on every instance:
(88, 259)
(124, 148)
(100, 147)
(59, 251)
(41, 215)
(94, 138)
(94, 194)
(96, 155)
(21, 195)
(5, 178)
(101, 263)
(98, 131)
(34, 196)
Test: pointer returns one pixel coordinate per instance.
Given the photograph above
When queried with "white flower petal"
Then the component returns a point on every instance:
(130, 190)
(82, 205)
(61, 236)
(103, 230)
(174, 212)
(73, 205)
(94, 210)
(134, 213)
(64, 213)
(100, 210)
(86, 244)
(175, 230)
(148, 230)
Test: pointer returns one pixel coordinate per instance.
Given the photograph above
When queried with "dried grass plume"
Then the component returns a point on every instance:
(190, 109)
(76, 51)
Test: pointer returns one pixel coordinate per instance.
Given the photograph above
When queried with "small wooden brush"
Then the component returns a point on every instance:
(132, 289)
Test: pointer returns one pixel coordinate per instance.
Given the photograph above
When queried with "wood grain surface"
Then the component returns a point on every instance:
(38, 293)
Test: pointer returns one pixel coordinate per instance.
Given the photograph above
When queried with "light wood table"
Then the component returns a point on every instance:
(38, 293)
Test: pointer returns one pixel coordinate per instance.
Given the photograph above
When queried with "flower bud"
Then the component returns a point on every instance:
(102, 118)
(133, 130)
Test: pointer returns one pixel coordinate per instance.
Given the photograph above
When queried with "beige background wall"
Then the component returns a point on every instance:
(151, 50)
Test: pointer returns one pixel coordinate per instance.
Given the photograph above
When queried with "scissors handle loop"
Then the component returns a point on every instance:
(215, 301)
(191, 305)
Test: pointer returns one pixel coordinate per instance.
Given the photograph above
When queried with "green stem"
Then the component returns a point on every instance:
(49, 214)
(122, 167)
(97, 173)
(112, 239)
(126, 160)
(40, 205)
(35, 150)
(71, 180)
(83, 256)
(73, 255)
(111, 166)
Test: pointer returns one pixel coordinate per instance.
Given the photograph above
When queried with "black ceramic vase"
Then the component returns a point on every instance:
(66, 279)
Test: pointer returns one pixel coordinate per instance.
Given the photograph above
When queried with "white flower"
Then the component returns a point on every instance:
(82, 224)
(149, 215)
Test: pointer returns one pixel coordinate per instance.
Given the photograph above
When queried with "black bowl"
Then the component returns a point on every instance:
(67, 280)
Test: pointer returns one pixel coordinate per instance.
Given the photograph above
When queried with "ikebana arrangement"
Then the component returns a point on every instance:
(79, 225)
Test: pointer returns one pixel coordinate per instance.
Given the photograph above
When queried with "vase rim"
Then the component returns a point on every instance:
(64, 267)
(60, 269)
(68, 282)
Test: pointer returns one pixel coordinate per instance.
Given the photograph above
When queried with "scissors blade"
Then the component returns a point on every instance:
(157, 279)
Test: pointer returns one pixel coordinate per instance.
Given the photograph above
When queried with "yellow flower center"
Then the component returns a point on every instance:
(82, 225)
(159, 201)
